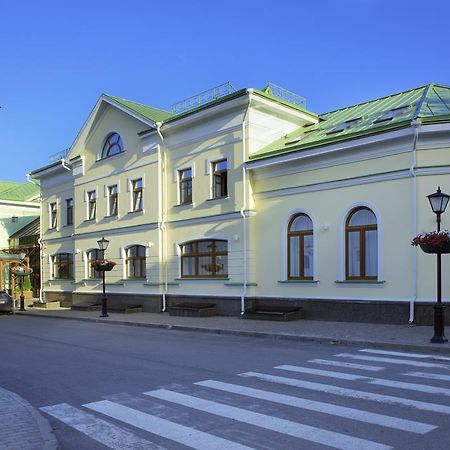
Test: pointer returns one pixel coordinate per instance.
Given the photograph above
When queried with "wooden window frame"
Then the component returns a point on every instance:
(114, 140)
(301, 235)
(57, 260)
(69, 211)
(361, 229)
(141, 260)
(196, 255)
(185, 187)
(219, 179)
(113, 200)
(136, 193)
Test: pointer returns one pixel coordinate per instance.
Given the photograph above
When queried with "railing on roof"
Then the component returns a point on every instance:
(284, 94)
(60, 155)
(204, 97)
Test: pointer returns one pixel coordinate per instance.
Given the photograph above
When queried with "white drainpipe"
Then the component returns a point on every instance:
(244, 202)
(163, 166)
(416, 125)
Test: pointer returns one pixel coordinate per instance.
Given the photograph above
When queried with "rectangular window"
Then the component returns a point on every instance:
(113, 200)
(219, 178)
(92, 205)
(69, 211)
(185, 184)
(204, 259)
(63, 265)
(137, 194)
(53, 215)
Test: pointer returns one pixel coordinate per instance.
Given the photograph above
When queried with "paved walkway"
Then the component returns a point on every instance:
(23, 427)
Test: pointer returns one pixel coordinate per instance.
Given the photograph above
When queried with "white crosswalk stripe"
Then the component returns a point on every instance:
(434, 407)
(406, 354)
(165, 419)
(406, 362)
(429, 376)
(162, 427)
(306, 432)
(378, 381)
(346, 365)
(100, 430)
(327, 408)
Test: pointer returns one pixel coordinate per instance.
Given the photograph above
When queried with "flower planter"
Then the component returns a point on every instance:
(22, 272)
(431, 248)
(105, 267)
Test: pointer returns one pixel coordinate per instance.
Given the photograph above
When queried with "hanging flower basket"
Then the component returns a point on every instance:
(102, 265)
(433, 242)
(22, 271)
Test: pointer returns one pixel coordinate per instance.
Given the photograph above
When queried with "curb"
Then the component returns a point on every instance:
(49, 440)
(256, 334)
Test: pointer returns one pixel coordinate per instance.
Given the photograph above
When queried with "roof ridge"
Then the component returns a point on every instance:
(376, 99)
(114, 97)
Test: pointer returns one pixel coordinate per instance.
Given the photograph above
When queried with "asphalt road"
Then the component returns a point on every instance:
(106, 386)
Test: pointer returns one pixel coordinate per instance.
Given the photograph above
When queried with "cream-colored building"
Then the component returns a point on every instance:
(251, 199)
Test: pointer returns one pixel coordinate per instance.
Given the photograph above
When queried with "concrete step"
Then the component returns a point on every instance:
(188, 309)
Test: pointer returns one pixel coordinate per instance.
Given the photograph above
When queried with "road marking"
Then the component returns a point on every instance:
(309, 433)
(162, 427)
(393, 361)
(327, 408)
(336, 390)
(348, 365)
(378, 381)
(98, 429)
(430, 376)
(408, 355)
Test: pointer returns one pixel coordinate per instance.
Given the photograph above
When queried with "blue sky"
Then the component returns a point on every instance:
(56, 57)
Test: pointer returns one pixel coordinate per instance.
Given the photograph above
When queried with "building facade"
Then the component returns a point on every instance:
(251, 199)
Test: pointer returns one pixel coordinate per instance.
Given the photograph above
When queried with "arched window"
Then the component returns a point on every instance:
(300, 248)
(62, 265)
(204, 258)
(361, 245)
(94, 255)
(112, 145)
(135, 261)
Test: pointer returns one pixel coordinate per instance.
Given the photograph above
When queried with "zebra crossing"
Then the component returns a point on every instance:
(317, 403)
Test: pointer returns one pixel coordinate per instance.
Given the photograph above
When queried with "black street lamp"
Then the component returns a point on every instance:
(103, 245)
(438, 201)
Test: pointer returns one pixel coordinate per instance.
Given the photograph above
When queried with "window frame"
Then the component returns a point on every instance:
(221, 176)
(197, 255)
(185, 186)
(361, 230)
(69, 211)
(142, 260)
(57, 260)
(91, 272)
(91, 199)
(301, 235)
(108, 145)
(135, 191)
(53, 215)
(111, 197)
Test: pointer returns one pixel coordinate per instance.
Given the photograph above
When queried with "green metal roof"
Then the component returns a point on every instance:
(155, 115)
(428, 103)
(23, 192)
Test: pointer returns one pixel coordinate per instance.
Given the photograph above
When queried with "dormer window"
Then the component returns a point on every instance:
(113, 145)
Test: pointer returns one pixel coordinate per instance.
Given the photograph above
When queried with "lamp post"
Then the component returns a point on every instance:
(438, 201)
(103, 245)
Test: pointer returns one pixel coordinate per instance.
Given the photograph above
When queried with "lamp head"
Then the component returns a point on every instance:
(438, 201)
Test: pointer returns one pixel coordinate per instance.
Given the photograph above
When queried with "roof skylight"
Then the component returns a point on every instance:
(344, 126)
(299, 138)
(391, 114)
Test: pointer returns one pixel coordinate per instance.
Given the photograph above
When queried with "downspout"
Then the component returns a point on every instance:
(244, 202)
(163, 164)
(41, 245)
(63, 162)
(415, 124)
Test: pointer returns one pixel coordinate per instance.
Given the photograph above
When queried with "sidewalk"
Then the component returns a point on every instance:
(395, 337)
(23, 427)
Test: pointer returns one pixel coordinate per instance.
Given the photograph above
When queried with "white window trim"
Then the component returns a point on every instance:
(341, 238)
(130, 190)
(50, 227)
(284, 252)
(176, 177)
(106, 195)
(208, 170)
(86, 200)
